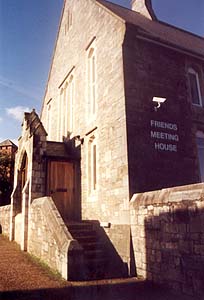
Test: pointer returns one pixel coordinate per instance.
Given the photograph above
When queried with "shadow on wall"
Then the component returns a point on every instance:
(133, 267)
(101, 259)
(73, 147)
(175, 248)
(114, 266)
(109, 290)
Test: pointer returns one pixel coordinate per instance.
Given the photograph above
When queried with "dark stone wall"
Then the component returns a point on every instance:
(167, 229)
(159, 154)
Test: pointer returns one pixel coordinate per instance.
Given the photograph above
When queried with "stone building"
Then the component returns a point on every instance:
(8, 147)
(122, 114)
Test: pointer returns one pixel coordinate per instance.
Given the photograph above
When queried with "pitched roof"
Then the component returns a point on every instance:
(34, 123)
(159, 31)
(7, 143)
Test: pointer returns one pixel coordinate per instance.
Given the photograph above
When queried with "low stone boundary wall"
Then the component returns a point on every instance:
(5, 219)
(167, 229)
(50, 240)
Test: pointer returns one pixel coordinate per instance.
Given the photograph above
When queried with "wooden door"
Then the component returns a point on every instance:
(61, 187)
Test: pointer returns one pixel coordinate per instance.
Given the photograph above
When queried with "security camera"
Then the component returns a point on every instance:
(159, 101)
(77, 137)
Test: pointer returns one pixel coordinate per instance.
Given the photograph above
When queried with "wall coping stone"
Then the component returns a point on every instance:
(191, 192)
(56, 222)
(69, 248)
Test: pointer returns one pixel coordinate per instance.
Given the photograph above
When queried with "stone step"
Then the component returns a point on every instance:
(79, 226)
(94, 254)
(84, 239)
(92, 245)
(95, 268)
(82, 232)
(94, 257)
(96, 261)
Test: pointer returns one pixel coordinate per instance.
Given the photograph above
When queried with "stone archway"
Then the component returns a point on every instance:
(29, 177)
(20, 202)
(24, 169)
(22, 175)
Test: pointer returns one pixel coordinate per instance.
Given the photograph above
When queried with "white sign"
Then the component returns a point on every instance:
(168, 139)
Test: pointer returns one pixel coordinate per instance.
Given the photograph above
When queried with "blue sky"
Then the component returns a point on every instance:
(27, 36)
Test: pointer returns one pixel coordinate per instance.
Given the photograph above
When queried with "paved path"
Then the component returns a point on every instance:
(21, 278)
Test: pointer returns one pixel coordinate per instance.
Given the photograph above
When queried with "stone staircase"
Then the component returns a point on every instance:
(95, 258)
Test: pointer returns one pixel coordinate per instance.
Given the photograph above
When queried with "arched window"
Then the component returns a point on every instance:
(66, 108)
(22, 178)
(92, 164)
(194, 87)
(59, 120)
(24, 170)
(92, 81)
(49, 119)
(61, 115)
(68, 21)
(70, 104)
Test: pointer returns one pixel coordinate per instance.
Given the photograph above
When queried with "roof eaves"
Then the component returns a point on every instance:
(7, 143)
(109, 11)
(148, 37)
(53, 55)
(180, 29)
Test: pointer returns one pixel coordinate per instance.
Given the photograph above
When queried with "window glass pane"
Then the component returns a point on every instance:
(49, 118)
(71, 106)
(89, 167)
(64, 117)
(93, 68)
(94, 167)
(200, 144)
(93, 99)
(91, 82)
(194, 88)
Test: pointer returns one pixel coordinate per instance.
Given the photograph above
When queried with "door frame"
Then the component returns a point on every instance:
(76, 192)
